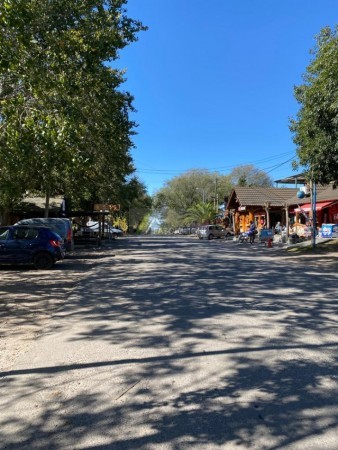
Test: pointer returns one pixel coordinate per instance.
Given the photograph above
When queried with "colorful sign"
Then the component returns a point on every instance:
(329, 230)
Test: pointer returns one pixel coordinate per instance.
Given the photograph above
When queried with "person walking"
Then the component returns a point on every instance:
(252, 232)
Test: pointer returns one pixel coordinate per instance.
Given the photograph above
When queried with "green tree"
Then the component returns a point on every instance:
(199, 214)
(188, 189)
(249, 175)
(194, 187)
(64, 124)
(135, 202)
(315, 129)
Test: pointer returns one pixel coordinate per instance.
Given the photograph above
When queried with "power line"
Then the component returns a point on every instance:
(222, 168)
(279, 165)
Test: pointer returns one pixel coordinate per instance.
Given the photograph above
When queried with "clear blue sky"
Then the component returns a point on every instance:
(213, 82)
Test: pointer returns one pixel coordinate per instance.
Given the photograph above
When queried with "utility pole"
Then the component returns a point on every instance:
(313, 192)
(216, 196)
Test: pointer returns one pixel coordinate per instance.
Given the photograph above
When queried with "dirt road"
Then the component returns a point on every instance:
(171, 343)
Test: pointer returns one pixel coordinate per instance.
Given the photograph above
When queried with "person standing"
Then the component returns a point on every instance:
(252, 232)
(278, 228)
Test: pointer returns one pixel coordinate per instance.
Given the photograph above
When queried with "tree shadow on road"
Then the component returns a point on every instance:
(223, 350)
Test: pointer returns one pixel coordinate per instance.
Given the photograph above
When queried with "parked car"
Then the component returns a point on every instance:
(22, 244)
(213, 231)
(60, 225)
(91, 230)
(185, 230)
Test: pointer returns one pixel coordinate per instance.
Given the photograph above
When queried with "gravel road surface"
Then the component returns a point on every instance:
(171, 343)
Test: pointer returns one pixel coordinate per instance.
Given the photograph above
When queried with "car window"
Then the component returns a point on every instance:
(19, 233)
(4, 234)
(25, 233)
(32, 233)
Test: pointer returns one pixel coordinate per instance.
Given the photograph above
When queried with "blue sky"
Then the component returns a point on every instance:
(213, 82)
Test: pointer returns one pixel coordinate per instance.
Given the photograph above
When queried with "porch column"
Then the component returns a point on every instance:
(267, 211)
(286, 207)
(233, 220)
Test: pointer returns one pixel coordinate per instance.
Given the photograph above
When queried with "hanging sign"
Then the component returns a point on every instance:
(106, 207)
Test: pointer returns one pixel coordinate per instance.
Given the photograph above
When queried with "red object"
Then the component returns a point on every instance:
(307, 206)
(55, 243)
(269, 242)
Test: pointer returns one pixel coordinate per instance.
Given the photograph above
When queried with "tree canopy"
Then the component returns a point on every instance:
(186, 190)
(315, 129)
(64, 122)
(200, 213)
(249, 175)
(195, 195)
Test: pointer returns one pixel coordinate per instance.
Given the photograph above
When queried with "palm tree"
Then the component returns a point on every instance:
(200, 213)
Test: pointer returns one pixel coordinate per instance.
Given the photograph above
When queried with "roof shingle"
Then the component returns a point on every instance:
(258, 196)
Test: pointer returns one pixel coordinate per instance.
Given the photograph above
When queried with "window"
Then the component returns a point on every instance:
(25, 233)
(4, 234)
(32, 233)
(19, 234)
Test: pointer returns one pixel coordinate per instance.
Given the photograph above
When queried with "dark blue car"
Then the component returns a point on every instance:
(39, 246)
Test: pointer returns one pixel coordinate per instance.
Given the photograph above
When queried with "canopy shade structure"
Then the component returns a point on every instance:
(307, 207)
(293, 179)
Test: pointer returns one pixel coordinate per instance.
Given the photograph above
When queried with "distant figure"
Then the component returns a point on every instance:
(252, 232)
(278, 228)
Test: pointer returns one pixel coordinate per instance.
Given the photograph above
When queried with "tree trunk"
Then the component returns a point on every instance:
(47, 204)
(4, 216)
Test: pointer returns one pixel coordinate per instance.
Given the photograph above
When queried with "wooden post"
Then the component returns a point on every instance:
(100, 230)
(267, 209)
(287, 220)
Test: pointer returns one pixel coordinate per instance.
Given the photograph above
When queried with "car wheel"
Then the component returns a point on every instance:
(210, 237)
(43, 261)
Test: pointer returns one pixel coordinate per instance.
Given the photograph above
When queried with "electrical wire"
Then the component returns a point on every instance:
(221, 168)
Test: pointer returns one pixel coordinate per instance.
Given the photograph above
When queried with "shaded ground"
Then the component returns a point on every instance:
(29, 297)
(179, 344)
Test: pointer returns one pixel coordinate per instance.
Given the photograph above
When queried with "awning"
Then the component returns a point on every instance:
(307, 206)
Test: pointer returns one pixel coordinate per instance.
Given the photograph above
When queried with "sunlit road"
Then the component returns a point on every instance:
(176, 343)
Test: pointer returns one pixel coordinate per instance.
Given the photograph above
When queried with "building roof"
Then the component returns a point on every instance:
(323, 194)
(258, 196)
(293, 179)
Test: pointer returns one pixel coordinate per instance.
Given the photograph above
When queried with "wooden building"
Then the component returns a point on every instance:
(264, 205)
(267, 205)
